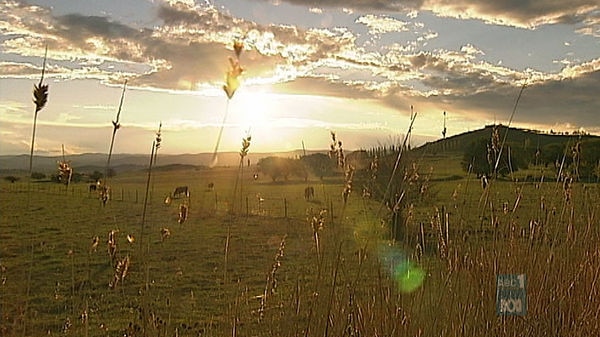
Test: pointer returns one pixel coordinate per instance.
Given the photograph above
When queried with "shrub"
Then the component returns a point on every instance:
(12, 179)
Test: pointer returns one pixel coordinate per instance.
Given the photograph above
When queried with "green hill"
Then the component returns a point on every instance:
(526, 138)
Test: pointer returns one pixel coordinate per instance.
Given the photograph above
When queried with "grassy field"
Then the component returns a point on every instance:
(253, 258)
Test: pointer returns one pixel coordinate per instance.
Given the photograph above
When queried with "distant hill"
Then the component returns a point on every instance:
(529, 138)
(90, 162)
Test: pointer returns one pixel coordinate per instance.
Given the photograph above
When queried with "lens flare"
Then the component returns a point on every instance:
(408, 277)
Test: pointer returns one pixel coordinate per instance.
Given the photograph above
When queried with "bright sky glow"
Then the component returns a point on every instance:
(350, 66)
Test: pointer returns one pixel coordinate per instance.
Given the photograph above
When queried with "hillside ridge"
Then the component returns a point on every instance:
(126, 162)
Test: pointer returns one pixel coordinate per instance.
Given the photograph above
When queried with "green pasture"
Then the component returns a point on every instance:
(251, 259)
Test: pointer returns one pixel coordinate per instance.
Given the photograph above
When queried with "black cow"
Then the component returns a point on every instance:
(181, 191)
(309, 193)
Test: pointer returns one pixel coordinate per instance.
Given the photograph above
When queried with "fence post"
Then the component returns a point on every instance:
(285, 207)
(122, 193)
(331, 210)
(247, 211)
(136, 196)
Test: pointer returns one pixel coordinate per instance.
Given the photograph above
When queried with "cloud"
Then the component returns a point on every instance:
(378, 5)
(380, 24)
(190, 50)
(519, 13)
(528, 14)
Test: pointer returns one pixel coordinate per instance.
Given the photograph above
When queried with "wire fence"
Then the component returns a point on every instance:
(210, 202)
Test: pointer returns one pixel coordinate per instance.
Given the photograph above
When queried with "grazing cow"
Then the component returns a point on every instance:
(181, 190)
(211, 186)
(309, 193)
(95, 186)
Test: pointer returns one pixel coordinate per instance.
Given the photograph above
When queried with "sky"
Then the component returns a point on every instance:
(359, 68)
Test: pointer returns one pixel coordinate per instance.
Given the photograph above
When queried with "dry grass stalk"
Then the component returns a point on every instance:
(240, 178)
(348, 178)
(165, 233)
(116, 127)
(232, 83)
(271, 284)
(121, 270)
(112, 244)
(436, 222)
(369, 187)
(336, 151)
(65, 171)
(95, 242)
(317, 222)
(104, 194)
(183, 213)
(40, 98)
(155, 145)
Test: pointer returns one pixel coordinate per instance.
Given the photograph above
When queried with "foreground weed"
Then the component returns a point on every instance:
(40, 98)
(272, 283)
(231, 85)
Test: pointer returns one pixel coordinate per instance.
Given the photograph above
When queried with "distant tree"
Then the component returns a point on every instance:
(38, 175)
(12, 179)
(96, 175)
(480, 159)
(553, 153)
(77, 177)
(278, 167)
(319, 164)
(589, 160)
(476, 159)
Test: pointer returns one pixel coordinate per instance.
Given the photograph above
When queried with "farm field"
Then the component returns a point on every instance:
(254, 258)
(326, 168)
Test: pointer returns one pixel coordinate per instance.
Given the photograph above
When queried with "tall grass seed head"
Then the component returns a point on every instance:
(40, 96)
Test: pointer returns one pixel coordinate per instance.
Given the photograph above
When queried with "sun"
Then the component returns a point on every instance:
(252, 110)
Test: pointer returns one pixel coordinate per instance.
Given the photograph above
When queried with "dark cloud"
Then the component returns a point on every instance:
(9, 69)
(553, 102)
(77, 28)
(522, 12)
(378, 5)
(208, 19)
(325, 87)
(530, 12)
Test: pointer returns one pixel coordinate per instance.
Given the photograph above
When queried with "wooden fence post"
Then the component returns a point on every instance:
(331, 210)
(285, 207)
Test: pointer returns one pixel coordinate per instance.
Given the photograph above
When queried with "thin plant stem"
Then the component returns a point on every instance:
(508, 127)
(333, 285)
(41, 95)
(116, 127)
(397, 163)
(213, 161)
(146, 196)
